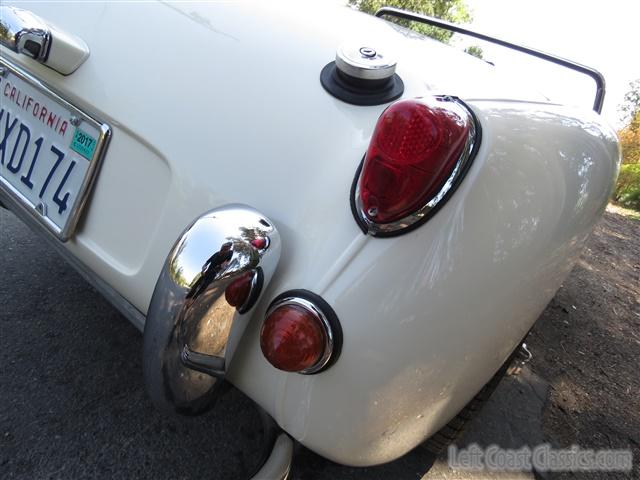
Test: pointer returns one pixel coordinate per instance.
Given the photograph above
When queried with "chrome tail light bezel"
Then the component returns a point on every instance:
(431, 207)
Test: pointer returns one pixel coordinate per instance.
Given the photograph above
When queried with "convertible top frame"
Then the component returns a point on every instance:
(563, 62)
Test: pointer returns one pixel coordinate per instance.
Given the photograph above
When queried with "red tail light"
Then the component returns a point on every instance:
(237, 292)
(419, 149)
(296, 336)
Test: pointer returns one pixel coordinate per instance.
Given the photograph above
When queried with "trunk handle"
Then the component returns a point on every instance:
(23, 32)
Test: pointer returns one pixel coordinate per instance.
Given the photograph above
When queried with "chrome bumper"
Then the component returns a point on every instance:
(278, 465)
(189, 322)
(235, 227)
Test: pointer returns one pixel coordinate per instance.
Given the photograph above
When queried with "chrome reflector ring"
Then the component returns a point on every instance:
(327, 316)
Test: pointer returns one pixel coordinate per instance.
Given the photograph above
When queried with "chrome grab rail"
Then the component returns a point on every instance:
(563, 62)
(23, 32)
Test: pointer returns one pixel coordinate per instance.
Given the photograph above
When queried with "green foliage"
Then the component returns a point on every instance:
(630, 134)
(475, 51)
(628, 188)
(630, 140)
(631, 105)
(455, 11)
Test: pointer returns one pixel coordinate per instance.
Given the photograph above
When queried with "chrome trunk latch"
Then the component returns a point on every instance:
(25, 33)
(192, 318)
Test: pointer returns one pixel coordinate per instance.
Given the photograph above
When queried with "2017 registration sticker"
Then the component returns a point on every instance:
(83, 143)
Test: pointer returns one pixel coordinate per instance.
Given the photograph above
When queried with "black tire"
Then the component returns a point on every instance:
(440, 440)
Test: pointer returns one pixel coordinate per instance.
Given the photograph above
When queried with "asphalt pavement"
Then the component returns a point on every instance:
(72, 402)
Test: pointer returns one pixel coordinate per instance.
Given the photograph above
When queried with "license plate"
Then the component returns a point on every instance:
(49, 150)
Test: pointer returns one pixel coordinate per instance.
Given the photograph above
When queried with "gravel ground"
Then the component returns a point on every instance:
(72, 403)
(587, 345)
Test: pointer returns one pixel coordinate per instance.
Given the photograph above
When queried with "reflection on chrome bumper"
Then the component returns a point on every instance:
(189, 321)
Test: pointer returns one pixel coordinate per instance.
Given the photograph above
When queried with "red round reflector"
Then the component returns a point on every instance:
(413, 152)
(238, 291)
(293, 338)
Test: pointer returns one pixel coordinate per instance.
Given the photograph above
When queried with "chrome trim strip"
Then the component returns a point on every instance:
(189, 323)
(135, 316)
(381, 229)
(85, 189)
(563, 62)
(310, 306)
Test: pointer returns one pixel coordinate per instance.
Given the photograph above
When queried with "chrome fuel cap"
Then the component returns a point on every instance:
(365, 61)
(362, 75)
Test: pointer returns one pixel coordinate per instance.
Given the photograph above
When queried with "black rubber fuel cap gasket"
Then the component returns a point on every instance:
(360, 92)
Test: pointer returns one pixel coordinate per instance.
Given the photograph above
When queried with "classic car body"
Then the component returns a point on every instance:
(213, 107)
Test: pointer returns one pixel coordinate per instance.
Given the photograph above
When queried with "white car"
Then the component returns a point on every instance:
(353, 224)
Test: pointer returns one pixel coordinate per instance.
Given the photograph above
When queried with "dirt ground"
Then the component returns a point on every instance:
(587, 345)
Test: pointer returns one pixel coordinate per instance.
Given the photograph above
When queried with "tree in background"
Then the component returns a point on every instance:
(631, 104)
(455, 11)
(628, 187)
(630, 134)
(630, 140)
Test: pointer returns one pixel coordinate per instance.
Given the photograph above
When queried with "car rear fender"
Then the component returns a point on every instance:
(428, 317)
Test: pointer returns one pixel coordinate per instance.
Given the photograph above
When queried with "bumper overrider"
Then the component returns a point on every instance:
(196, 314)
